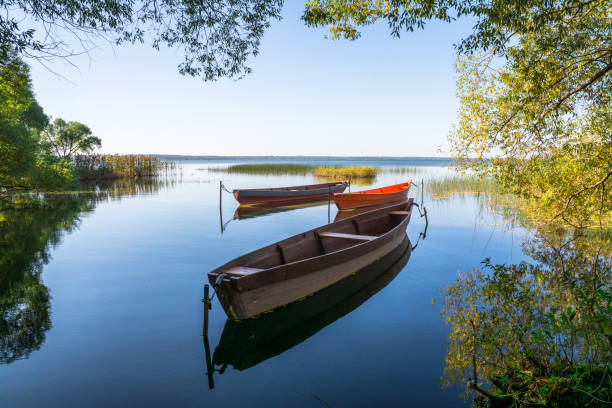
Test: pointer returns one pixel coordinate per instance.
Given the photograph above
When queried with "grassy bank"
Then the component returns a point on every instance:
(116, 166)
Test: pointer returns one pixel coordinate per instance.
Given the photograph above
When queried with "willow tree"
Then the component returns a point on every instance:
(534, 87)
(215, 36)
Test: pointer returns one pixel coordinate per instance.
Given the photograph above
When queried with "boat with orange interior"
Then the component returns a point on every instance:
(376, 196)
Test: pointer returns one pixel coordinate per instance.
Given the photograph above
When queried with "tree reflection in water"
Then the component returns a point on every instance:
(535, 334)
(26, 237)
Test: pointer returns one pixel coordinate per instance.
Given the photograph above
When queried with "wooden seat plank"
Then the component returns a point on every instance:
(351, 237)
(399, 212)
(242, 271)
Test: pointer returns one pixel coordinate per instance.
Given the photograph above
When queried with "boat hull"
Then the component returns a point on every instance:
(288, 195)
(248, 342)
(350, 200)
(242, 299)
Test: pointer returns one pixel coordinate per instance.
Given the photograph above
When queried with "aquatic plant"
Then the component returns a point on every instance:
(401, 170)
(265, 169)
(114, 166)
(346, 172)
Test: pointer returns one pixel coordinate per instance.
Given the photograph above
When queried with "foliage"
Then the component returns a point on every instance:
(346, 172)
(217, 37)
(108, 166)
(541, 334)
(24, 162)
(64, 139)
(534, 87)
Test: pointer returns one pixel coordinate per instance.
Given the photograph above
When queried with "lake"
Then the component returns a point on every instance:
(102, 295)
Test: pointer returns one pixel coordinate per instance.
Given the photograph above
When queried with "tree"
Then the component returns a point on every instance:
(217, 36)
(24, 163)
(534, 88)
(67, 138)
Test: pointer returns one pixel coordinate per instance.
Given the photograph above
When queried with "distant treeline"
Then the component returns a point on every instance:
(324, 158)
(115, 166)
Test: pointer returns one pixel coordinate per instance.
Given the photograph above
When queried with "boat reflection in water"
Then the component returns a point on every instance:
(259, 210)
(248, 342)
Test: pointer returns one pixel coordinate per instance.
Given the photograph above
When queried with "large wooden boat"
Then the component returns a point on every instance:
(376, 196)
(247, 343)
(289, 195)
(301, 265)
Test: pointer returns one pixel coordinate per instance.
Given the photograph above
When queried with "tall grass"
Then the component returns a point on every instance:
(266, 169)
(116, 166)
(346, 172)
(330, 172)
(447, 186)
(401, 170)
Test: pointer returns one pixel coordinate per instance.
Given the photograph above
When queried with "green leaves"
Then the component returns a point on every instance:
(65, 139)
(216, 37)
(25, 163)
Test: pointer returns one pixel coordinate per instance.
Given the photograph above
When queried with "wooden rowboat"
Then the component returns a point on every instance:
(249, 342)
(344, 214)
(301, 265)
(289, 195)
(389, 194)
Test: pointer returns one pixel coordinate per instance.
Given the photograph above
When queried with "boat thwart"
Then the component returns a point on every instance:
(301, 265)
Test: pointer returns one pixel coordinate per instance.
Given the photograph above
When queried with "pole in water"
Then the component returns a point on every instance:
(210, 369)
(207, 305)
(422, 191)
(328, 203)
(220, 206)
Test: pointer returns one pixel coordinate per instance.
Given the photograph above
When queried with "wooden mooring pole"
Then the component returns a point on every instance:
(220, 202)
(210, 369)
(328, 203)
(207, 306)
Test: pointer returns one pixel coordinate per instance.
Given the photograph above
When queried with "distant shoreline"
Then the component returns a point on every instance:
(277, 158)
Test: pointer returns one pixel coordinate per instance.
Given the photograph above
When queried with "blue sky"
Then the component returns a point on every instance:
(377, 96)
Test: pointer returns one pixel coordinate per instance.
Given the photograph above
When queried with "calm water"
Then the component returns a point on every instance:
(104, 295)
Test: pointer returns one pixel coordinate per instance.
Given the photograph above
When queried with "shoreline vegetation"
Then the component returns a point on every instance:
(330, 172)
(95, 167)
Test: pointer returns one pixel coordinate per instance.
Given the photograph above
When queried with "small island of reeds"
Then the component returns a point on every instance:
(329, 172)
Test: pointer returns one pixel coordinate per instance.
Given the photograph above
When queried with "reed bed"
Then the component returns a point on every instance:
(447, 186)
(354, 172)
(117, 166)
(266, 169)
(401, 170)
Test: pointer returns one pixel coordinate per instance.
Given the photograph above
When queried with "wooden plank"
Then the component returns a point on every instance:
(351, 237)
(398, 213)
(241, 271)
